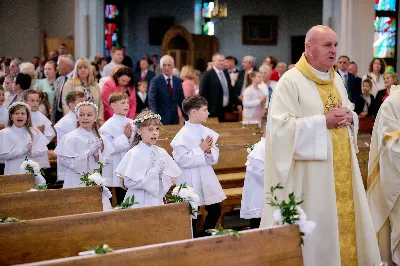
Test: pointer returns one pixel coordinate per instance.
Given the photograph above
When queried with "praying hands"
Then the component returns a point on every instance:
(338, 117)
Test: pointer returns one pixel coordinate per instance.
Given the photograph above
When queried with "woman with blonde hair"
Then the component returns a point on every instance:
(188, 86)
(83, 80)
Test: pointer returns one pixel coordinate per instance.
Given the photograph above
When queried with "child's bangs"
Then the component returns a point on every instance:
(151, 122)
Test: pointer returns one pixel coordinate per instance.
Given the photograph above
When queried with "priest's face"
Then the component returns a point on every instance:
(321, 49)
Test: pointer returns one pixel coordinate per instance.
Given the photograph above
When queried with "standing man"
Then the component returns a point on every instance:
(116, 60)
(383, 177)
(350, 82)
(248, 66)
(310, 150)
(65, 67)
(230, 66)
(216, 87)
(143, 73)
(166, 93)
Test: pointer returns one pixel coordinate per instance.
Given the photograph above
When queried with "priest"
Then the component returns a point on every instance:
(311, 150)
(383, 177)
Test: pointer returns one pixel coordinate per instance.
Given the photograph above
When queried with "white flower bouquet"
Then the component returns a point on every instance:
(184, 193)
(250, 146)
(290, 213)
(96, 250)
(29, 166)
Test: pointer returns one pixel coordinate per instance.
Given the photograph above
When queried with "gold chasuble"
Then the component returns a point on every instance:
(341, 165)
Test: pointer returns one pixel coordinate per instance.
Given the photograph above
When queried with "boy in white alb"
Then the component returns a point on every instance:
(195, 152)
(253, 190)
(118, 131)
(39, 121)
(67, 124)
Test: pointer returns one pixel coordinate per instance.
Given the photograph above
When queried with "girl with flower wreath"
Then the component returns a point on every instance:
(81, 149)
(20, 139)
(147, 171)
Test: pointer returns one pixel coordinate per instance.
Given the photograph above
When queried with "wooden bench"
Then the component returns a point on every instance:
(16, 183)
(66, 236)
(213, 126)
(231, 180)
(277, 246)
(50, 203)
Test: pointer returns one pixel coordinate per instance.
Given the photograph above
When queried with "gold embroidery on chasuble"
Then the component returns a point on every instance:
(342, 167)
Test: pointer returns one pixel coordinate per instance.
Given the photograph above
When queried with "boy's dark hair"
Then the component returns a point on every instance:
(23, 80)
(193, 102)
(72, 95)
(29, 92)
(229, 57)
(368, 81)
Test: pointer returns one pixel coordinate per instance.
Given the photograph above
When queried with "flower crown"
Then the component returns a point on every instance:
(140, 120)
(86, 103)
(18, 104)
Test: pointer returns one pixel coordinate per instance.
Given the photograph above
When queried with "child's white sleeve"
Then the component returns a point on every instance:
(186, 158)
(17, 152)
(150, 182)
(39, 144)
(255, 170)
(120, 143)
(212, 158)
(49, 133)
(77, 164)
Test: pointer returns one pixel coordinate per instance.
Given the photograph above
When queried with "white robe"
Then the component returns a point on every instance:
(264, 88)
(13, 148)
(65, 125)
(73, 151)
(196, 165)
(113, 130)
(253, 190)
(39, 119)
(3, 115)
(252, 107)
(299, 155)
(383, 195)
(142, 177)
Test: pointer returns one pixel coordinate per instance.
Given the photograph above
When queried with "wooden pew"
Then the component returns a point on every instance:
(66, 236)
(277, 246)
(50, 203)
(16, 183)
(213, 126)
(222, 132)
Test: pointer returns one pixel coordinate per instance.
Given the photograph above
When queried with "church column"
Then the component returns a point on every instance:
(89, 28)
(353, 21)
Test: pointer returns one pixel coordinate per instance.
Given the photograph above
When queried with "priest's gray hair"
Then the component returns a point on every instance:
(167, 58)
(251, 59)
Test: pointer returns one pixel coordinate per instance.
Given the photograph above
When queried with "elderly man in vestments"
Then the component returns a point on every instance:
(311, 151)
(384, 177)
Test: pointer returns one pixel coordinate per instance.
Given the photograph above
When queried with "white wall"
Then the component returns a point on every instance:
(294, 18)
(21, 24)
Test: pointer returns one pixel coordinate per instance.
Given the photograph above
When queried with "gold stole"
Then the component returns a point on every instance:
(342, 167)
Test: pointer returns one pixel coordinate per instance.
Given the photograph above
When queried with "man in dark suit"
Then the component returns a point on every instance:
(165, 93)
(216, 87)
(65, 67)
(143, 73)
(352, 85)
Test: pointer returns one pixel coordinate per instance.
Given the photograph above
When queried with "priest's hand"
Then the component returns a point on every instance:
(128, 131)
(348, 115)
(335, 118)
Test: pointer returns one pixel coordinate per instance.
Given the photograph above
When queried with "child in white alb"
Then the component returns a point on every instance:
(67, 124)
(20, 139)
(253, 100)
(81, 149)
(3, 121)
(195, 152)
(118, 131)
(148, 171)
(253, 190)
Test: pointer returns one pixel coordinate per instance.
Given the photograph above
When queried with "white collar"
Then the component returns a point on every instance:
(192, 125)
(343, 73)
(18, 129)
(218, 70)
(146, 147)
(166, 77)
(85, 132)
(119, 117)
(320, 74)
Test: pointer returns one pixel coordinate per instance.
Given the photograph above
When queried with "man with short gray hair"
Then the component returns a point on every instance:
(65, 67)
(248, 66)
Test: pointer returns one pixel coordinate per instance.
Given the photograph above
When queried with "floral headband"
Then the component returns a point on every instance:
(140, 120)
(86, 103)
(18, 104)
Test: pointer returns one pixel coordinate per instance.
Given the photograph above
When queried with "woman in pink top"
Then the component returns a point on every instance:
(188, 86)
(122, 81)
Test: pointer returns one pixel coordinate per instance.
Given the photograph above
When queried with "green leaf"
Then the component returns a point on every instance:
(7, 219)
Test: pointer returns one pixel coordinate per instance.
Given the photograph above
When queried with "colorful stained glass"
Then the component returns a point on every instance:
(384, 37)
(111, 37)
(208, 28)
(207, 11)
(389, 69)
(111, 11)
(385, 5)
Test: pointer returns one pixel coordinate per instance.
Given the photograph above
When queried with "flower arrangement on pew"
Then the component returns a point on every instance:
(250, 146)
(184, 193)
(130, 201)
(287, 213)
(29, 166)
(96, 250)
(221, 232)
(38, 187)
(7, 220)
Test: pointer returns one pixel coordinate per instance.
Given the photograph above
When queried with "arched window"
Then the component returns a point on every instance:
(112, 26)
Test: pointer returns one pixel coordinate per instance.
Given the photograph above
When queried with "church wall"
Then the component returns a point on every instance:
(294, 18)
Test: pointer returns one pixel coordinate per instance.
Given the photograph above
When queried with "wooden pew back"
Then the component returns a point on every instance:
(16, 183)
(50, 203)
(278, 246)
(66, 236)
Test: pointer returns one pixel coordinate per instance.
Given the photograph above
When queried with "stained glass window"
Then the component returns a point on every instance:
(385, 5)
(384, 37)
(111, 26)
(208, 28)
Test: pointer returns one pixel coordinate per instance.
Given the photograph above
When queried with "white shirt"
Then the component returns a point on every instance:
(166, 80)
(142, 95)
(225, 96)
(3, 115)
